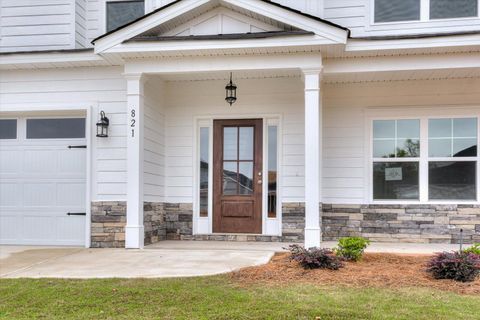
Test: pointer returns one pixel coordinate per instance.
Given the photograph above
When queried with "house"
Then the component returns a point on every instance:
(352, 117)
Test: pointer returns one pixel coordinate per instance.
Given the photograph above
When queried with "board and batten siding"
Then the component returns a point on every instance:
(154, 143)
(104, 89)
(81, 40)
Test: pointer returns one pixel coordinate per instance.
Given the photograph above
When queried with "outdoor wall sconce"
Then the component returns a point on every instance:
(231, 91)
(102, 126)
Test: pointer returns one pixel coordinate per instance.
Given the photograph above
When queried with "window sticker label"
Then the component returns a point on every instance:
(393, 174)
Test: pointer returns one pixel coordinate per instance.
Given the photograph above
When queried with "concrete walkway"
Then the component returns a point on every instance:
(161, 260)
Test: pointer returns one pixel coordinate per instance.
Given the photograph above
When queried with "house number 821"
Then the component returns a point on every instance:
(133, 122)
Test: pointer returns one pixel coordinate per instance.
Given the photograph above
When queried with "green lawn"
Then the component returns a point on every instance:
(219, 298)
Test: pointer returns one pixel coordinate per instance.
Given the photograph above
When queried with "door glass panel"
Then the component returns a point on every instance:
(230, 143)
(246, 143)
(8, 129)
(230, 178)
(245, 178)
(69, 128)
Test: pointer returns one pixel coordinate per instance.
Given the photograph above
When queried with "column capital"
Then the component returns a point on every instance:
(135, 83)
(140, 77)
(312, 71)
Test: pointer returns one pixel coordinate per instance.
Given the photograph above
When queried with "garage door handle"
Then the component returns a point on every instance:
(76, 214)
(77, 147)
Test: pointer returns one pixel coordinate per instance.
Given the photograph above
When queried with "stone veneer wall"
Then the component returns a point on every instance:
(403, 223)
(179, 221)
(108, 224)
(154, 222)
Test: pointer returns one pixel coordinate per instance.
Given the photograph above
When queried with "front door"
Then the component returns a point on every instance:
(237, 176)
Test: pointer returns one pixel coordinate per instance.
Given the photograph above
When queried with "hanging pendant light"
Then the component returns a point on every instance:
(231, 92)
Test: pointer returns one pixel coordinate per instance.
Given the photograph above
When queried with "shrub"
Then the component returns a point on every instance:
(475, 249)
(315, 258)
(459, 266)
(352, 248)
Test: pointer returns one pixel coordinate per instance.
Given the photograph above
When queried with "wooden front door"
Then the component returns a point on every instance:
(237, 176)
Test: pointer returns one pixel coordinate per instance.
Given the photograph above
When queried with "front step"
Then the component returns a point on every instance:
(233, 238)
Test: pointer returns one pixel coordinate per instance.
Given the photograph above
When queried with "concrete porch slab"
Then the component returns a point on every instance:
(44, 262)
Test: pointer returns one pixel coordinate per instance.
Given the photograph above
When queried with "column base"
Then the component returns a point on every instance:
(313, 237)
(134, 237)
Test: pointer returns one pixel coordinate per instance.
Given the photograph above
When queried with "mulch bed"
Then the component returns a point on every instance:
(376, 270)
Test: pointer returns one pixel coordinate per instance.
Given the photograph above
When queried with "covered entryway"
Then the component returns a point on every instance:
(42, 180)
(237, 166)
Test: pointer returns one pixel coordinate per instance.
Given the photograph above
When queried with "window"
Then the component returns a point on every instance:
(452, 145)
(204, 170)
(444, 9)
(396, 149)
(445, 171)
(120, 13)
(422, 10)
(8, 129)
(272, 171)
(69, 128)
(238, 152)
(397, 10)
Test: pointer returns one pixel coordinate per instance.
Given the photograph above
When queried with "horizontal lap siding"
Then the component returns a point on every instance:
(187, 100)
(37, 25)
(102, 87)
(81, 40)
(154, 144)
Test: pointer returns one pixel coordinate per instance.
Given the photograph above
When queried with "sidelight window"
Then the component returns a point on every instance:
(272, 171)
(204, 166)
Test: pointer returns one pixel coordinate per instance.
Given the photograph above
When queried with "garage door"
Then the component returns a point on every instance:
(42, 181)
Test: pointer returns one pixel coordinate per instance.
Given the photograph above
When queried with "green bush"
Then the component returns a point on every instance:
(352, 248)
(475, 249)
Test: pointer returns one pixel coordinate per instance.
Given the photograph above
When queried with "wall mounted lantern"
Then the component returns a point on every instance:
(231, 91)
(102, 126)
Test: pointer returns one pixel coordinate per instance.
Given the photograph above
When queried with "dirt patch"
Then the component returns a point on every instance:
(375, 270)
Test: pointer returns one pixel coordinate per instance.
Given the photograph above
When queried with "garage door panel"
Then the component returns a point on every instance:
(41, 180)
(40, 161)
(71, 195)
(10, 194)
(10, 226)
(39, 194)
(72, 162)
(10, 162)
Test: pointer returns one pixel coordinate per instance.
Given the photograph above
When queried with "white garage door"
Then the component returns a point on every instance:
(42, 181)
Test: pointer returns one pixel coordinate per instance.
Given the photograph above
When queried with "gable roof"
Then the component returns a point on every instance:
(263, 1)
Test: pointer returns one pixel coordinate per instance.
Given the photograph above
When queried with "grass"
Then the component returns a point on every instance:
(218, 298)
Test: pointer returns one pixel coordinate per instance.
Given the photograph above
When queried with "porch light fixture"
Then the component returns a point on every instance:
(102, 126)
(231, 91)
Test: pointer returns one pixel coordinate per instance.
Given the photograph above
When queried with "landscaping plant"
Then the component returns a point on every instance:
(457, 265)
(475, 249)
(352, 248)
(315, 258)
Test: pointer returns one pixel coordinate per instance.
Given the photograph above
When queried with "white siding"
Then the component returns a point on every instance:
(270, 97)
(154, 143)
(36, 25)
(81, 40)
(102, 88)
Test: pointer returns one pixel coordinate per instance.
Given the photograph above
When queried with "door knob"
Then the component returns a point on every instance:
(259, 181)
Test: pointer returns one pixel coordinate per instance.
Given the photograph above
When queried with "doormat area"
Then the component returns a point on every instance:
(376, 270)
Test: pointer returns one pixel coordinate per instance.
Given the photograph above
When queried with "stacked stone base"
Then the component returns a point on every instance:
(403, 223)
(381, 223)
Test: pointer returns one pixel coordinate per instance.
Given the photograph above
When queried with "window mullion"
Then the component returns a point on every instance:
(423, 160)
(424, 10)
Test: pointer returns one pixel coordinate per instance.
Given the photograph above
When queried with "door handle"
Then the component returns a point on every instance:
(76, 214)
(77, 147)
(260, 182)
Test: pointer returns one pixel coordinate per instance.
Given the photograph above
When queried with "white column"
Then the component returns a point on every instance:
(313, 156)
(134, 230)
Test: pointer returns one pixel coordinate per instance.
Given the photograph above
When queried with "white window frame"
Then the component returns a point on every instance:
(103, 12)
(424, 15)
(424, 159)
